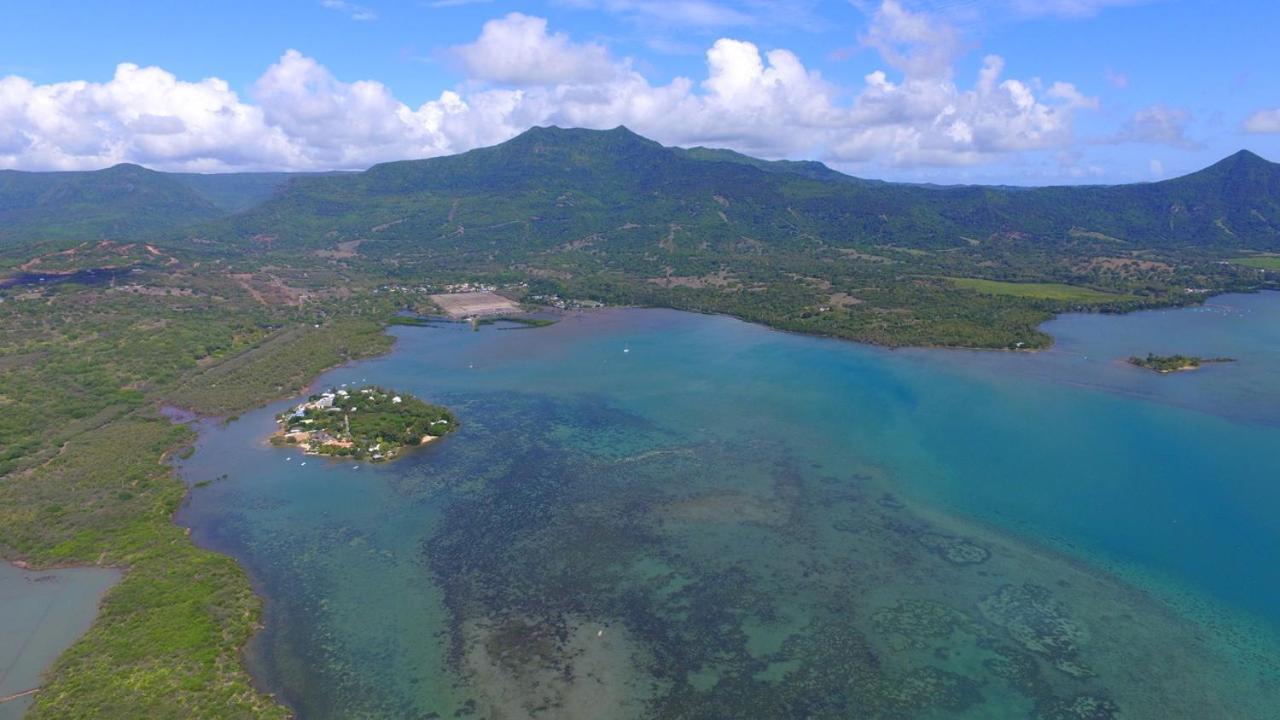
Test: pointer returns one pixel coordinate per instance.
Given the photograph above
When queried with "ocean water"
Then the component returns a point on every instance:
(649, 513)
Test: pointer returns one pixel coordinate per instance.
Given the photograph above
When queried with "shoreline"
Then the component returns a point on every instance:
(194, 417)
(963, 525)
(304, 443)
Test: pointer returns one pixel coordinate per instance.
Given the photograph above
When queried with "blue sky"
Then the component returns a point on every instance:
(1010, 91)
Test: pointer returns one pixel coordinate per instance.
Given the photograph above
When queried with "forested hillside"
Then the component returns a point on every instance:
(613, 217)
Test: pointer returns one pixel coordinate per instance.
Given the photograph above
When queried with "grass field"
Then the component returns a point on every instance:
(1038, 291)
(1264, 262)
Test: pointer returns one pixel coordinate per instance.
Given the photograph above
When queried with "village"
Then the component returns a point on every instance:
(366, 423)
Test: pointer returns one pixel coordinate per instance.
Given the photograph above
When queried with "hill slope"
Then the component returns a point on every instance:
(235, 192)
(551, 186)
(611, 216)
(614, 217)
(118, 202)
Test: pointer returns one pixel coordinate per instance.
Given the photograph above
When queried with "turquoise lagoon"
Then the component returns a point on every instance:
(649, 513)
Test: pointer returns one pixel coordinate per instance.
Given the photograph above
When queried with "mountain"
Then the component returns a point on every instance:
(617, 190)
(1232, 203)
(804, 168)
(550, 186)
(615, 217)
(122, 202)
(117, 202)
(235, 192)
(543, 187)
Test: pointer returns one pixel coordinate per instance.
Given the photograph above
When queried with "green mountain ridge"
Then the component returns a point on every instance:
(618, 218)
(123, 201)
(118, 201)
(621, 192)
(574, 182)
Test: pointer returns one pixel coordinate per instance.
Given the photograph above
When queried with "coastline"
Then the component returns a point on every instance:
(415, 340)
(256, 586)
(312, 383)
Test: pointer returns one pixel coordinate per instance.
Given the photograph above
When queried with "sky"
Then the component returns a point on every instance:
(1026, 92)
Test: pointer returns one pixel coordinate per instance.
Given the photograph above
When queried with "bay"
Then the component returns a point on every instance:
(649, 513)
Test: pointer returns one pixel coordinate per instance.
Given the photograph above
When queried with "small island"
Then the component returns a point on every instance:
(1174, 363)
(366, 423)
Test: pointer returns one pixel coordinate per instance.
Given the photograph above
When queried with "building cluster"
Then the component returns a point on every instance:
(560, 303)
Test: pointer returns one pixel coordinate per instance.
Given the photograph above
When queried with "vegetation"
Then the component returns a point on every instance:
(279, 366)
(166, 641)
(122, 200)
(369, 422)
(529, 322)
(615, 218)
(85, 367)
(126, 290)
(1173, 363)
(1039, 291)
(1262, 262)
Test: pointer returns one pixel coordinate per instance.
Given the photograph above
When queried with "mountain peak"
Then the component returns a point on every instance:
(1243, 170)
(1242, 161)
(125, 167)
(1246, 156)
(554, 135)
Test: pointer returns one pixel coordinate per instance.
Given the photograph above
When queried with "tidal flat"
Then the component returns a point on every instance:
(647, 513)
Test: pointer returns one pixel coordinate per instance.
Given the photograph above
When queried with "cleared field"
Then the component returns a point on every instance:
(1039, 291)
(474, 304)
(1264, 262)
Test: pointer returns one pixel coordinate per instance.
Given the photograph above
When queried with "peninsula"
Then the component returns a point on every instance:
(367, 423)
(1174, 363)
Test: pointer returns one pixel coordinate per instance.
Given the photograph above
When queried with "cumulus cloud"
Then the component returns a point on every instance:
(919, 44)
(518, 50)
(927, 119)
(143, 115)
(298, 115)
(1263, 121)
(1160, 125)
(922, 122)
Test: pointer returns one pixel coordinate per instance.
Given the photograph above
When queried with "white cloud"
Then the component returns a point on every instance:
(927, 119)
(919, 44)
(1158, 124)
(520, 74)
(351, 10)
(927, 122)
(1156, 167)
(143, 115)
(1263, 121)
(518, 50)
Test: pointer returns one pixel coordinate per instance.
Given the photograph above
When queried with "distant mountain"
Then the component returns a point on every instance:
(117, 202)
(543, 187)
(235, 192)
(614, 217)
(804, 168)
(1232, 203)
(121, 202)
(622, 192)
